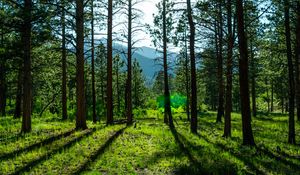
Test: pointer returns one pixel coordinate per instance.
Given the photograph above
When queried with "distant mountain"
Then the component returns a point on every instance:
(146, 56)
(150, 52)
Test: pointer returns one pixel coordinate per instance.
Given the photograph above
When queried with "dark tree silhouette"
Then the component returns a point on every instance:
(64, 64)
(93, 63)
(298, 60)
(80, 95)
(109, 92)
(18, 107)
(193, 69)
(3, 88)
(27, 82)
(291, 137)
(228, 104)
(168, 113)
(220, 64)
(129, 66)
(248, 138)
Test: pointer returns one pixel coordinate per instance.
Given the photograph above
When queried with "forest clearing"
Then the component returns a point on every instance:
(148, 147)
(150, 87)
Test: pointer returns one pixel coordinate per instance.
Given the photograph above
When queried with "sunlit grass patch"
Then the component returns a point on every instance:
(145, 149)
(74, 159)
(151, 147)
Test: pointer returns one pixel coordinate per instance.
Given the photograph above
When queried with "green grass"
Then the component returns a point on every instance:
(148, 147)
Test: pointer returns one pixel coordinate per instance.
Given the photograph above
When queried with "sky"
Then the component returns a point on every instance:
(148, 7)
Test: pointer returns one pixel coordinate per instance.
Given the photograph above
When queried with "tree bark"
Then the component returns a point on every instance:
(248, 138)
(27, 82)
(129, 67)
(135, 83)
(187, 77)
(80, 95)
(220, 66)
(167, 113)
(282, 105)
(3, 85)
(272, 96)
(291, 137)
(109, 96)
(102, 78)
(268, 96)
(228, 104)
(93, 64)
(253, 82)
(117, 82)
(298, 60)
(193, 69)
(19, 95)
(64, 64)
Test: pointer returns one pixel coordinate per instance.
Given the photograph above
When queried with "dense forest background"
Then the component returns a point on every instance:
(218, 63)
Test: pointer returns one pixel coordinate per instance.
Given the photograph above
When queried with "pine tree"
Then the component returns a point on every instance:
(248, 138)
(80, 93)
(109, 91)
(27, 86)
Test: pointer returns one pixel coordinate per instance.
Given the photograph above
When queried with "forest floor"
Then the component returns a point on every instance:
(148, 147)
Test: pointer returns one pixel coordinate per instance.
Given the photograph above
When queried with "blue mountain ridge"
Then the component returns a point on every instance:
(149, 58)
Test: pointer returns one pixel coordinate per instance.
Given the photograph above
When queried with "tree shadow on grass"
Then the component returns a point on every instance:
(166, 153)
(224, 166)
(195, 166)
(269, 119)
(35, 145)
(286, 155)
(275, 114)
(264, 150)
(13, 138)
(39, 160)
(279, 162)
(241, 158)
(99, 152)
(184, 150)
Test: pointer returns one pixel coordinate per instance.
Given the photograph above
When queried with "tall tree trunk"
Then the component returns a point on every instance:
(168, 113)
(3, 85)
(118, 91)
(298, 60)
(220, 66)
(282, 105)
(3, 88)
(19, 94)
(193, 69)
(80, 95)
(187, 77)
(93, 64)
(253, 81)
(228, 104)
(272, 96)
(268, 96)
(86, 92)
(287, 105)
(291, 137)
(64, 64)
(26, 120)
(109, 65)
(248, 138)
(135, 84)
(102, 77)
(129, 67)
